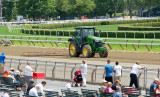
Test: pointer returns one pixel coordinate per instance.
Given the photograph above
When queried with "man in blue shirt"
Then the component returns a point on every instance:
(108, 71)
(2, 58)
(154, 85)
(117, 92)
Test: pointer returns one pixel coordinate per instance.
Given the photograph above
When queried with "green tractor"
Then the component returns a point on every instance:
(85, 42)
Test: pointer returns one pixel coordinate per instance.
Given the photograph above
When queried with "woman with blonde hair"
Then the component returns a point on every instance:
(10, 74)
(109, 89)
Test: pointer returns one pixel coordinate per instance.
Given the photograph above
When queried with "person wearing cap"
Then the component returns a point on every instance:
(6, 93)
(108, 72)
(2, 58)
(103, 86)
(17, 76)
(31, 85)
(41, 86)
(5, 74)
(68, 86)
(154, 84)
(133, 74)
(28, 73)
(83, 69)
(33, 91)
(12, 69)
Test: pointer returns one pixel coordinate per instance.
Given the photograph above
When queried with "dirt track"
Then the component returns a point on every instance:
(121, 56)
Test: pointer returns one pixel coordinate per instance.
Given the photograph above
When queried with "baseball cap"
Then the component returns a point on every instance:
(8, 91)
(17, 72)
(6, 71)
(104, 81)
(11, 69)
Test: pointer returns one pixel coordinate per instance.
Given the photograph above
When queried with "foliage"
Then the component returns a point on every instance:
(124, 28)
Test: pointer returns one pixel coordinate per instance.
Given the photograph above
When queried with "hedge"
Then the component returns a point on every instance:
(103, 34)
(63, 25)
(124, 28)
(154, 24)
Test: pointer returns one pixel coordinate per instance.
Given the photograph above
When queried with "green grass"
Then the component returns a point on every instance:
(4, 31)
(100, 27)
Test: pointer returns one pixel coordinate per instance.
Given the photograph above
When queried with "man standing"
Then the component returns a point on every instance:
(2, 58)
(41, 86)
(28, 73)
(133, 74)
(108, 71)
(118, 72)
(83, 69)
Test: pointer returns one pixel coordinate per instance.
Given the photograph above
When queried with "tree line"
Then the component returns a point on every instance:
(34, 9)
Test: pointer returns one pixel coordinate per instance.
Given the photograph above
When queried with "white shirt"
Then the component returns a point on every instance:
(68, 86)
(118, 69)
(33, 92)
(135, 68)
(84, 68)
(28, 71)
(5, 95)
(40, 88)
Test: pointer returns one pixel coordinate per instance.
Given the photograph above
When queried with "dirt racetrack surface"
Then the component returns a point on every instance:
(62, 53)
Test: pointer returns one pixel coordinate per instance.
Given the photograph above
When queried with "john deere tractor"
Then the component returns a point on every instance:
(86, 42)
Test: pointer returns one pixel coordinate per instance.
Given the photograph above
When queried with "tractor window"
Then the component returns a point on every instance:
(88, 32)
(78, 33)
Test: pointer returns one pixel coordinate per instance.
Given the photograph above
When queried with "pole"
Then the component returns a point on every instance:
(1, 9)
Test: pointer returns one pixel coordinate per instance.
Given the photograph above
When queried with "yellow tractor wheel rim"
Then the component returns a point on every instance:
(85, 52)
(72, 49)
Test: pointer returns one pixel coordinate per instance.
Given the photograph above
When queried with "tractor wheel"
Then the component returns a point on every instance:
(87, 51)
(72, 50)
(104, 54)
(92, 55)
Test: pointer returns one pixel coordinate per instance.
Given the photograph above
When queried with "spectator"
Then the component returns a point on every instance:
(33, 91)
(28, 73)
(68, 86)
(154, 84)
(118, 72)
(17, 75)
(41, 86)
(83, 69)
(133, 74)
(108, 71)
(10, 74)
(117, 92)
(2, 58)
(6, 93)
(109, 89)
(30, 86)
(12, 69)
(157, 90)
(21, 73)
(5, 74)
(117, 83)
(104, 86)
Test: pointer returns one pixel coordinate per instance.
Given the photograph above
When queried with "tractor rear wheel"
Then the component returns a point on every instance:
(72, 50)
(87, 51)
(104, 54)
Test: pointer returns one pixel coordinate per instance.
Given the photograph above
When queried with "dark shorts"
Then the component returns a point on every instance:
(109, 79)
(27, 79)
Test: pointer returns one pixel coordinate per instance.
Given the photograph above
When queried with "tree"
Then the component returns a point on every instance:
(118, 4)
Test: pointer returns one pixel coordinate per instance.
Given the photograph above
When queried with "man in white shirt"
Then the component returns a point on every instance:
(6, 94)
(28, 73)
(41, 86)
(33, 91)
(133, 74)
(83, 69)
(68, 86)
(118, 72)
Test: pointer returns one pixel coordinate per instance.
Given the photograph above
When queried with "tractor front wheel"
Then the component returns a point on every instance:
(72, 50)
(87, 51)
(104, 54)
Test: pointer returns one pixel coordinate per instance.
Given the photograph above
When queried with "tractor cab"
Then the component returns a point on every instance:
(85, 42)
(82, 33)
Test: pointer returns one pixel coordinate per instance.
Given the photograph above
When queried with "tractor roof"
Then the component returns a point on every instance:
(84, 27)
